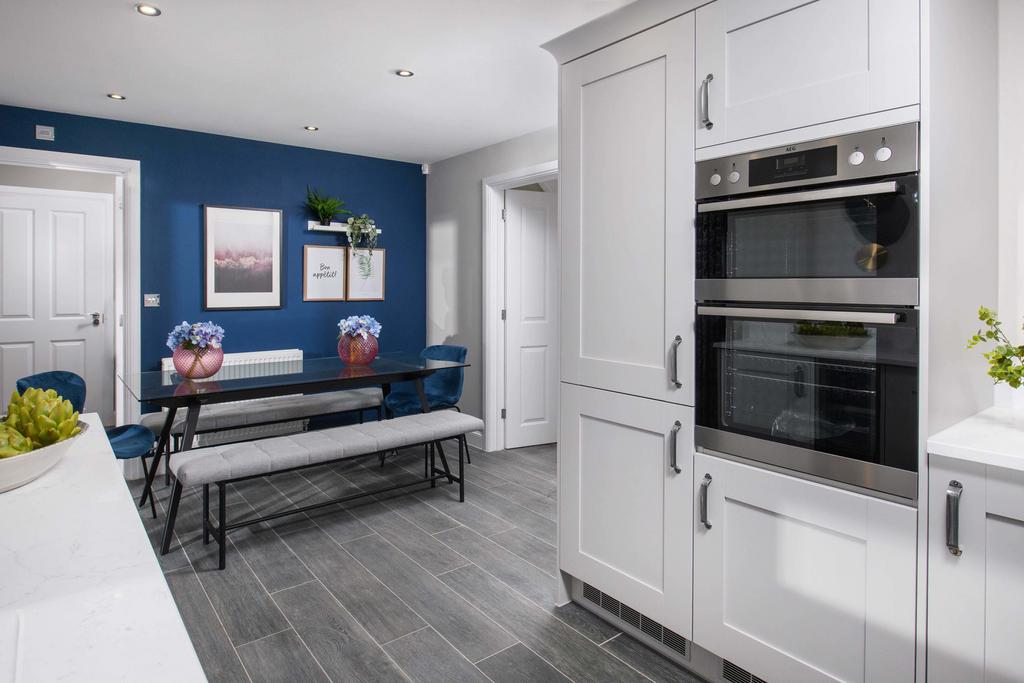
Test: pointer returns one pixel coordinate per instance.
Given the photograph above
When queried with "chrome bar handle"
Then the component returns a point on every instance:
(704, 501)
(675, 361)
(953, 492)
(813, 314)
(705, 114)
(673, 453)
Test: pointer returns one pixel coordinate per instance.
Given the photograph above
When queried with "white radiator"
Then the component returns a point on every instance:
(252, 364)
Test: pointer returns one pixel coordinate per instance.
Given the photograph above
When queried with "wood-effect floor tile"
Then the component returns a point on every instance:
(427, 658)
(280, 657)
(527, 520)
(531, 500)
(269, 558)
(433, 555)
(530, 548)
(649, 662)
(518, 664)
(446, 499)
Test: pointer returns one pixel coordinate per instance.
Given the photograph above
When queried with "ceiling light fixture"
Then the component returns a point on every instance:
(404, 73)
(147, 10)
(312, 129)
(116, 96)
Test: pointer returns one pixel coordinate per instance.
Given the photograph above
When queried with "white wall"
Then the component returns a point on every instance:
(455, 245)
(1011, 179)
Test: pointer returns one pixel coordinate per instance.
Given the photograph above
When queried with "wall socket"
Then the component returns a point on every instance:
(151, 300)
(45, 133)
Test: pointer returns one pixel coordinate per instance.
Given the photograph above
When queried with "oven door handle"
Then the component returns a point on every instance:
(869, 317)
(887, 187)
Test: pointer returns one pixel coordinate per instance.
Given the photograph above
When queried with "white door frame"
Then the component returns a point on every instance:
(494, 293)
(127, 281)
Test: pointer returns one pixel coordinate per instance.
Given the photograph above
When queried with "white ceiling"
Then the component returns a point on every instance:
(263, 69)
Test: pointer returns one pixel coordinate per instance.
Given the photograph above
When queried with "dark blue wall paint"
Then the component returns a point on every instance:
(182, 170)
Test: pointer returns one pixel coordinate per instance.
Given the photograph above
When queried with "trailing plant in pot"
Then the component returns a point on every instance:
(1005, 360)
(324, 208)
(196, 347)
(357, 342)
(362, 234)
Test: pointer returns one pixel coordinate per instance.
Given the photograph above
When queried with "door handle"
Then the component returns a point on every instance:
(673, 454)
(96, 317)
(953, 492)
(675, 361)
(705, 115)
(704, 501)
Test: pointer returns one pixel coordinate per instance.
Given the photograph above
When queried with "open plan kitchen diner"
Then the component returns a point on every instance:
(667, 341)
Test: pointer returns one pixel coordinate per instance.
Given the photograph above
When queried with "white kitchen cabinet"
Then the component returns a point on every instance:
(777, 65)
(797, 581)
(625, 513)
(975, 597)
(627, 211)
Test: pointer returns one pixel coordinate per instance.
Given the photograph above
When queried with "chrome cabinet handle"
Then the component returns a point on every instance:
(953, 492)
(675, 361)
(673, 454)
(705, 116)
(704, 501)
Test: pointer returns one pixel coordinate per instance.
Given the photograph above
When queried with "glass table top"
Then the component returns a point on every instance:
(266, 377)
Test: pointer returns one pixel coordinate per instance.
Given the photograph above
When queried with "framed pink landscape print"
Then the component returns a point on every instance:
(241, 258)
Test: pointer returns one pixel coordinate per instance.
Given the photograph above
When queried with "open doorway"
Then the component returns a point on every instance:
(521, 351)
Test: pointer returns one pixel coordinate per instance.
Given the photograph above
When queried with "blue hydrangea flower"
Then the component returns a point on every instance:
(363, 325)
(196, 335)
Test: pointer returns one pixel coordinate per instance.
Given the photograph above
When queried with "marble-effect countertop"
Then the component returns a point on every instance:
(992, 437)
(82, 596)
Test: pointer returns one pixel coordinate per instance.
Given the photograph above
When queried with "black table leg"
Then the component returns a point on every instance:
(424, 406)
(385, 389)
(161, 445)
(191, 420)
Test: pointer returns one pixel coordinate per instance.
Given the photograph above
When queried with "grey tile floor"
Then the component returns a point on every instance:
(412, 587)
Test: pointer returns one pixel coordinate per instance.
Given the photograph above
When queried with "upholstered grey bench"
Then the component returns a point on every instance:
(225, 464)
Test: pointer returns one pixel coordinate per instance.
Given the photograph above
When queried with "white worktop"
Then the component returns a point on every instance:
(82, 597)
(992, 437)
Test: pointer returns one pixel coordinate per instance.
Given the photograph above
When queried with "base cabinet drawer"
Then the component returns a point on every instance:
(624, 482)
(797, 581)
(975, 573)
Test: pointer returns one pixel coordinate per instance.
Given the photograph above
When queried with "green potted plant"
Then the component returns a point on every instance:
(325, 209)
(1006, 360)
(362, 234)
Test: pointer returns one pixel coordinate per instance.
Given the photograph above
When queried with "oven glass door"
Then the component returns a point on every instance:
(871, 232)
(841, 383)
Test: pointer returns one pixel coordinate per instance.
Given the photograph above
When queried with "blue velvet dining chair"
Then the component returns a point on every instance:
(127, 441)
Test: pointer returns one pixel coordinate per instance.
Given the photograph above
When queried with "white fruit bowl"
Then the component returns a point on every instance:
(19, 470)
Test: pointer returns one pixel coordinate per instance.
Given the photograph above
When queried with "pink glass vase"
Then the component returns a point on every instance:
(357, 350)
(197, 363)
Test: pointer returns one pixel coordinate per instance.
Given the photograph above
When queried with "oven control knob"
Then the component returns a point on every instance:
(883, 154)
(734, 177)
(856, 158)
(715, 179)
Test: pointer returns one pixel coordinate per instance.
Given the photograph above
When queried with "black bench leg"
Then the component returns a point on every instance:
(433, 482)
(444, 463)
(380, 414)
(426, 461)
(463, 448)
(360, 416)
(172, 513)
(221, 523)
(206, 514)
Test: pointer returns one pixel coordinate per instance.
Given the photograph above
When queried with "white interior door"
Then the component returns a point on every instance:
(531, 318)
(56, 272)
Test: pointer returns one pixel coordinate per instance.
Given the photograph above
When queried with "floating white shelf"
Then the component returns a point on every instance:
(314, 226)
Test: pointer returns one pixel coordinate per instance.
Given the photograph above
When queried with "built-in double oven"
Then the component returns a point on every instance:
(807, 263)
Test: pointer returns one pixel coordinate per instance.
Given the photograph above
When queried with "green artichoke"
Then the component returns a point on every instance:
(12, 442)
(43, 417)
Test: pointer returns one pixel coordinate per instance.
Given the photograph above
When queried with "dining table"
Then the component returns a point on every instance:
(245, 382)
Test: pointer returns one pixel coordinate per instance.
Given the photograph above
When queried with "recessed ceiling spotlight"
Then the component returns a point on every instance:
(404, 73)
(116, 96)
(147, 10)
(312, 129)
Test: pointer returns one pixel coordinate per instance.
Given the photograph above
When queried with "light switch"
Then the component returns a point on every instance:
(45, 133)
(151, 300)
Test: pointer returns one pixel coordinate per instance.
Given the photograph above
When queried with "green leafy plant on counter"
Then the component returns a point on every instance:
(42, 417)
(831, 329)
(1006, 360)
(324, 208)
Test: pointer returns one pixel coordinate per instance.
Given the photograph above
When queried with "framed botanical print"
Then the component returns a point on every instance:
(242, 258)
(323, 273)
(366, 274)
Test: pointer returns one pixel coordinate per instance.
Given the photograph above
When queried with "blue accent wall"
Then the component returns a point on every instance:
(182, 170)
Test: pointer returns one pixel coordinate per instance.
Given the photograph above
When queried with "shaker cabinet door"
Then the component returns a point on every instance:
(785, 64)
(624, 510)
(797, 581)
(627, 213)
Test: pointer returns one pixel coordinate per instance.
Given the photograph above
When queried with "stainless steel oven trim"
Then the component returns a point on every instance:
(864, 475)
(869, 317)
(887, 187)
(838, 291)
